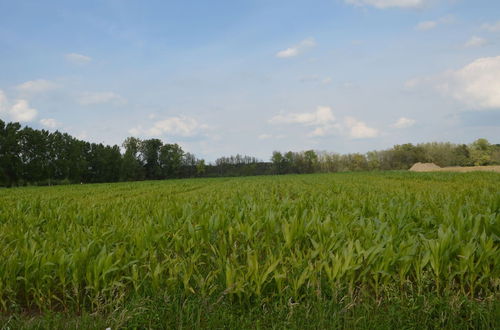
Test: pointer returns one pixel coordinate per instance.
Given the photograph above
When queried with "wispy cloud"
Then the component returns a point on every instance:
(425, 26)
(92, 98)
(492, 27)
(322, 115)
(475, 41)
(316, 79)
(325, 123)
(77, 58)
(37, 86)
(404, 122)
(50, 123)
(173, 126)
(297, 49)
(429, 25)
(382, 4)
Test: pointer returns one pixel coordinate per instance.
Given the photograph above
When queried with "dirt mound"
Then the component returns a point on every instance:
(424, 167)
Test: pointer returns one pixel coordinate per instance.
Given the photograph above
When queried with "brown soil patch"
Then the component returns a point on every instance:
(492, 168)
(431, 167)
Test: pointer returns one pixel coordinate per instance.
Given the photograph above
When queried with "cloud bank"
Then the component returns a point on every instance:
(476, 85)
(180, 126)
(325, 123)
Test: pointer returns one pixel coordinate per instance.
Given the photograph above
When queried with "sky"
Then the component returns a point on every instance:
(253, 76)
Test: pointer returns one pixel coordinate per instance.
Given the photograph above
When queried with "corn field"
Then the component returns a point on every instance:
(291, 237)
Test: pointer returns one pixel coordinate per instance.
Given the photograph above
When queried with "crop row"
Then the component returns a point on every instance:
(290, 238)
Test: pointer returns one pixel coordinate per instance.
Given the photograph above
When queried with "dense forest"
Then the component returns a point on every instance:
(39, 157)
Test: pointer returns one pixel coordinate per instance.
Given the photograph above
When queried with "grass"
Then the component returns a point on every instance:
(364, 250)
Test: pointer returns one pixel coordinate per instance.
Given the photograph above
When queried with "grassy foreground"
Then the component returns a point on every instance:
(365, 250)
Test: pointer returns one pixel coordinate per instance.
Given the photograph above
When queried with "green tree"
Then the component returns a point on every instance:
(170, 160)
(150, 153)
(200, 167)
(278, 162)
(131, 167)
(310, 161)
(480, 152)
(10, 149)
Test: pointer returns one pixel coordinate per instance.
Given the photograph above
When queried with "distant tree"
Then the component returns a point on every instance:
(188, 165)
(373, 160)
(131, 168)
(200, 167)
(328, 162)
(289, 162)
(480, 152)
(278, 162)
(34, 153)
(404, 156)
(310, 161)
(113, 163)
(495, 154)
(461, 156)
(170, 160)
(10, 148)
(150, 154)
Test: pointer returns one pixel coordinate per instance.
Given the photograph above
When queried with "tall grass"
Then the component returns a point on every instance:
(290, 239)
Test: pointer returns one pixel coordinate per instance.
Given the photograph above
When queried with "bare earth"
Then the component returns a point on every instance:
(431, 167)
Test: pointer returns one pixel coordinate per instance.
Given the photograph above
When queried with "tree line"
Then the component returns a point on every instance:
(399, 157)
(38, 157)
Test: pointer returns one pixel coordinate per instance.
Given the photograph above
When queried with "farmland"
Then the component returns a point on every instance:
(387, 249)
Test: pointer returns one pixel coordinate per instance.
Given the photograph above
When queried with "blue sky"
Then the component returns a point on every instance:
(250, 77)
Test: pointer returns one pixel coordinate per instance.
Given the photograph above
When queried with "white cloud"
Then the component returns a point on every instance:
(476, 85)
(429, 25)
(3, 102)
(20, 111)
(492, 27)
(173, 126)
(323, 130)
(326, 81)
(324, 123)
(271, 136)
(50, 123)
(425, 26)
(77, 58)
(265, 136)
(322, 116)
(89, 98)
(404, 122)
(412, 83)
(382, 4)
(37, 86)
(316, 79)
(475, 41)
(297, 49)
(359, 130)
(135, 131)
